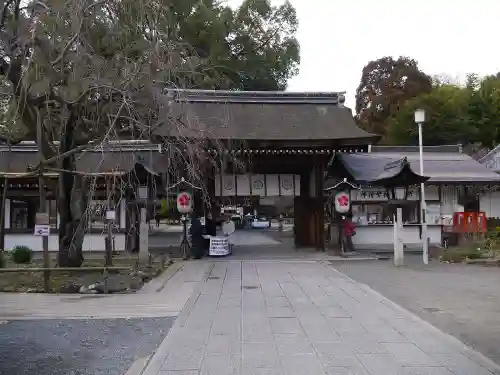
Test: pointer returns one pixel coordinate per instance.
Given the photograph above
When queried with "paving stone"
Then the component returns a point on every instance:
(285, 325)
(426, 371)
(380, 364)
(256, 334)
(221, 365)
(336, 354)
(364, 344)
(262, 371)
(259, 355)
(385, 333)
(223, 344)
(459, 364)
(183, 358)
(277, 302)
(280, 312)
(334, 312)
(317, 333)
(346, 326)
(408, 354)
(346, 371)
(302, 364)
(230, 302)
(293, 344)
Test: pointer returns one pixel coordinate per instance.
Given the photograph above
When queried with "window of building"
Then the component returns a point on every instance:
(22, 213)
(378, 213)
(96, 213)
(52, 207)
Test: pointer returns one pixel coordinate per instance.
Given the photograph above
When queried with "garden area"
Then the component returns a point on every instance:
(476, 248)
(21, 271)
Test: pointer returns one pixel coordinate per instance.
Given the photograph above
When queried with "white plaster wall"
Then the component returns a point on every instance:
(383, 235)
(435, 234)
(91, 242)
(489, 202)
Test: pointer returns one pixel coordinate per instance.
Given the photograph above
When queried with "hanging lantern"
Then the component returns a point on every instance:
(184, 202)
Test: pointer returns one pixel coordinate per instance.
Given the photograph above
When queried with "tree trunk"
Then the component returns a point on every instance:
(73, 199)
(72, 204)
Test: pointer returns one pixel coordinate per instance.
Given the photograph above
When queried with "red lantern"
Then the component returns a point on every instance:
(184, 202)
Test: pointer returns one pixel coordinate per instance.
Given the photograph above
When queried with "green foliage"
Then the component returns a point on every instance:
(456, 255)
(484, 111)
(250, 48)
(386, 84)
(21, 254)
(391, 90)
(447, 119)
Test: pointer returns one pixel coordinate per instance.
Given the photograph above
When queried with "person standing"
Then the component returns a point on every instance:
(157, 218)
(197, 240)
(349, 230)
(210, 225)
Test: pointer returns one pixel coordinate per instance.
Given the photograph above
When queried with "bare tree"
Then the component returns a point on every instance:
(90, 71)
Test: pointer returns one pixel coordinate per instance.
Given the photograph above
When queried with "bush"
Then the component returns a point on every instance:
(2, 259)
(21, 254)
(459, 255)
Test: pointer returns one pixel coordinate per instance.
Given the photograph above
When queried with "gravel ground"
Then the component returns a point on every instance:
(462, 300)
(78, 347)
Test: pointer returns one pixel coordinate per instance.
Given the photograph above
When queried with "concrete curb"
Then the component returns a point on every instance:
(472, 354)
(153, 365)
(157, 284)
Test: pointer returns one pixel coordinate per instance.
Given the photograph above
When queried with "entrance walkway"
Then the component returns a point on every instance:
(302, 318)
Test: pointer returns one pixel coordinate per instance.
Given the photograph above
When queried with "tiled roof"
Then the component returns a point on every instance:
(262, 116)
(442, 166)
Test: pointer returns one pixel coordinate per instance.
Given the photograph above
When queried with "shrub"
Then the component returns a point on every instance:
(458, 254)
(21, 254)
(2, 259)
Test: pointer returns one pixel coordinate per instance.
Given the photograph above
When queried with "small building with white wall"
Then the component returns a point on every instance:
(457, 183)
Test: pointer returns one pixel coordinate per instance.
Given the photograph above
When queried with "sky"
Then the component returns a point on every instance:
(338, 38)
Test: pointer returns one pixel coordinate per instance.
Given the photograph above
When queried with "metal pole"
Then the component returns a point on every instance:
(109, 243)
(425, 241)
(43, 204)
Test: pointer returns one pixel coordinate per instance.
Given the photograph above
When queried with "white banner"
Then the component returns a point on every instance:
(286, 184)
(258, 185)
(272, 185)
(297, 185)
(228, 185)
(243, 184)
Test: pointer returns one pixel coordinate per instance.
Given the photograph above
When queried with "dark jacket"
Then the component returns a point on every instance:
(211, 227)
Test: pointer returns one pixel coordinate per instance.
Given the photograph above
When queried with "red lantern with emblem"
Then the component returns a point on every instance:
(342, 202)
(184, 202)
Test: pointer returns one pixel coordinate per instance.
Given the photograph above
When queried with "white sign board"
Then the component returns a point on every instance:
(110, 215)
(219, 246)
(142, 192)
(42, 230)
(342, 202)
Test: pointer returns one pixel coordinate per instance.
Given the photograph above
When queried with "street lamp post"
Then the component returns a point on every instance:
(420, 119)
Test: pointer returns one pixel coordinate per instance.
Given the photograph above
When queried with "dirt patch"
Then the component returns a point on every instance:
(126, 280)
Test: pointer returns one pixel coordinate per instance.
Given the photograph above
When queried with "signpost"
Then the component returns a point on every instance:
(42, 230)
(219, 246)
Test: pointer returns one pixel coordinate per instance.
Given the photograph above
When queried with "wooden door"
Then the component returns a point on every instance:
(309, 222)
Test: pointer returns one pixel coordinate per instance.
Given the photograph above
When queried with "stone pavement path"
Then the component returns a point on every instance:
(303, 318)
